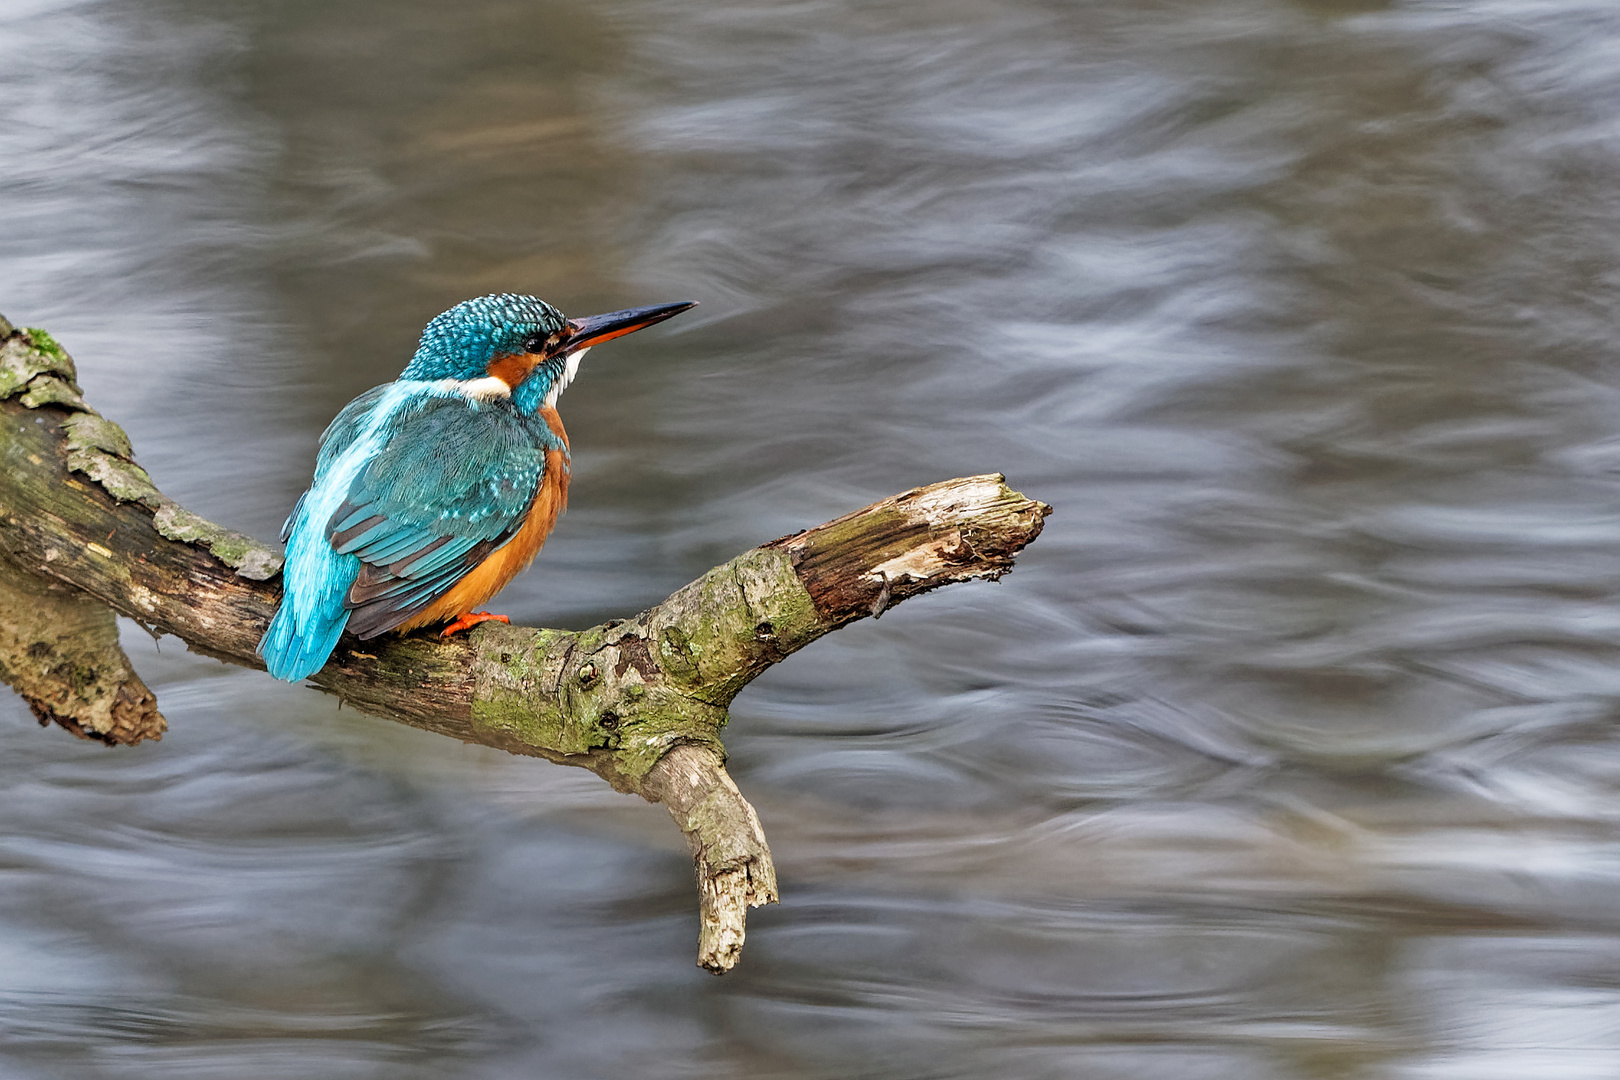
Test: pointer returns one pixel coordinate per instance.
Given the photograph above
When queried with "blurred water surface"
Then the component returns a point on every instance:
(1288, 750)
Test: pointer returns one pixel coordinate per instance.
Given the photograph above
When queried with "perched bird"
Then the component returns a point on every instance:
(433, 491)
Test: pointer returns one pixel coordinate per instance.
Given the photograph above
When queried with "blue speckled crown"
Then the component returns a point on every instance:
(460, 343)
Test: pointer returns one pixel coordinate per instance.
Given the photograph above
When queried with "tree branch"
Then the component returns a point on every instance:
(639, 701)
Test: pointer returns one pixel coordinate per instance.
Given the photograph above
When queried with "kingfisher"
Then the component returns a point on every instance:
(433, 491)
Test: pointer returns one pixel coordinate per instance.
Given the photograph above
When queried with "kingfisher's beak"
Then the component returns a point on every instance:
(595, 329)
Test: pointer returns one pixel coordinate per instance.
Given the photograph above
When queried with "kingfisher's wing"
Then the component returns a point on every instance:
(338, 436)
(452, 484)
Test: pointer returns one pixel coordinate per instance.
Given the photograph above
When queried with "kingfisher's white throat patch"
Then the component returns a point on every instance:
(485, 389)
(570, 369)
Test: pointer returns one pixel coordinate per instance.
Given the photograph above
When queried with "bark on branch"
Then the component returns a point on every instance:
(638, 701)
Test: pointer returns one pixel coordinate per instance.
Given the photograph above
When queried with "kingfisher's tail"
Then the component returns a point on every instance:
(293, 649)
(312, 616)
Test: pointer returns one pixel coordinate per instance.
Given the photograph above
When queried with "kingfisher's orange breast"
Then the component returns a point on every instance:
(513, 557)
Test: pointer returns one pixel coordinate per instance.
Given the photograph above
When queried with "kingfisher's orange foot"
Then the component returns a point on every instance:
(472, 619)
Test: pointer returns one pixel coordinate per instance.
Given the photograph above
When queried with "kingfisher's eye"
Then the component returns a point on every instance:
(536, 343)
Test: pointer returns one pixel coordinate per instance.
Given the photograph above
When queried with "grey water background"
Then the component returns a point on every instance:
(1287, 751)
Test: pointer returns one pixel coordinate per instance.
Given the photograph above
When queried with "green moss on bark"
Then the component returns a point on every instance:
(47, 344)
(243, 554)
(22, 359)
(583, 693)
(720, 631)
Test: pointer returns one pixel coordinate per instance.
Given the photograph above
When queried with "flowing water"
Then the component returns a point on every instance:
(1288, 750)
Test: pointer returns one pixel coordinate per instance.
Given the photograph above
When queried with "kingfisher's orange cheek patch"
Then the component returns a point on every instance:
(513, 368)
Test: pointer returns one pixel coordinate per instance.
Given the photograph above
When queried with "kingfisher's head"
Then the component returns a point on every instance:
(519, 346)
